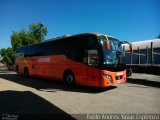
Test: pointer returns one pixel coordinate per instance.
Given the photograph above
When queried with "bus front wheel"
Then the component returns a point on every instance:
(129, 72)
(69, 78)
(26, 73)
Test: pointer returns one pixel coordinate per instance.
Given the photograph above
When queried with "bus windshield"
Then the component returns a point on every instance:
(114, 57)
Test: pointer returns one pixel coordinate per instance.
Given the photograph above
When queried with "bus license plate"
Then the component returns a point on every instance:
(119, 81)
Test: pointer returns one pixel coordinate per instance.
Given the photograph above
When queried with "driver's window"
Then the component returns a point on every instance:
(93, 59)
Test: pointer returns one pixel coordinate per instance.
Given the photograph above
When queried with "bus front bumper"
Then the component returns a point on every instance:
(112, 78)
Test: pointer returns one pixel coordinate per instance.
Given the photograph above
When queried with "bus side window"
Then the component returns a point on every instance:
(81, 56)
(85, 57)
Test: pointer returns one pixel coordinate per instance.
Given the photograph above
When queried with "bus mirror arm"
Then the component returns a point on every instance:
(130, 45)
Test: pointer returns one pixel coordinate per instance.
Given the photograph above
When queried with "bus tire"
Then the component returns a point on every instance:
(129, 72)
(26, 72)
(69, 78)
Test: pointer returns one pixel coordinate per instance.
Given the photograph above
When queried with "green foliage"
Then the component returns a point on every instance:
(36, 34)
(7, 56)
(2, 52)
(38, 31)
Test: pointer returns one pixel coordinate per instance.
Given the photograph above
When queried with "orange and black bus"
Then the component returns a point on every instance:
(88, 59)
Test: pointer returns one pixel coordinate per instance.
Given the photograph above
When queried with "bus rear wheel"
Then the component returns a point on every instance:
(26, 72)
(69, 78)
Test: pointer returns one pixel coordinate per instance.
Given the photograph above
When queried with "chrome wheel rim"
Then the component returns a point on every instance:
(70, 79)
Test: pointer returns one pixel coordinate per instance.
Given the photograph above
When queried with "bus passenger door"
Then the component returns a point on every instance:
(92, 70)
(81, 67)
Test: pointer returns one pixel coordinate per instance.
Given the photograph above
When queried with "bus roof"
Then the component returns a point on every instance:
(65, 36)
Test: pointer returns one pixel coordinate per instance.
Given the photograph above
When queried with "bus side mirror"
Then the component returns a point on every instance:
(107, 45)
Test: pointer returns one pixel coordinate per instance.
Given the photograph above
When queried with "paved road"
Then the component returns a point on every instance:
(141, 94)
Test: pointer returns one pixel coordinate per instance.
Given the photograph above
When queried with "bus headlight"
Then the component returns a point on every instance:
(108, 77)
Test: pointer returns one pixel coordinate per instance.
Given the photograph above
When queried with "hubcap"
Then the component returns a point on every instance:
(70, 79)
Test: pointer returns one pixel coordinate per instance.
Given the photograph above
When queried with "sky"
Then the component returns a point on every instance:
(127, 20)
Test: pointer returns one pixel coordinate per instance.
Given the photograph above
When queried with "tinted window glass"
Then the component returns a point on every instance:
(73, 47)
(93, 57)
(92, 41)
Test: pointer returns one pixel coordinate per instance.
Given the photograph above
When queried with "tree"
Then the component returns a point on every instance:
(38, 31)
(2, 52)
(36, 34)
(7, 56)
